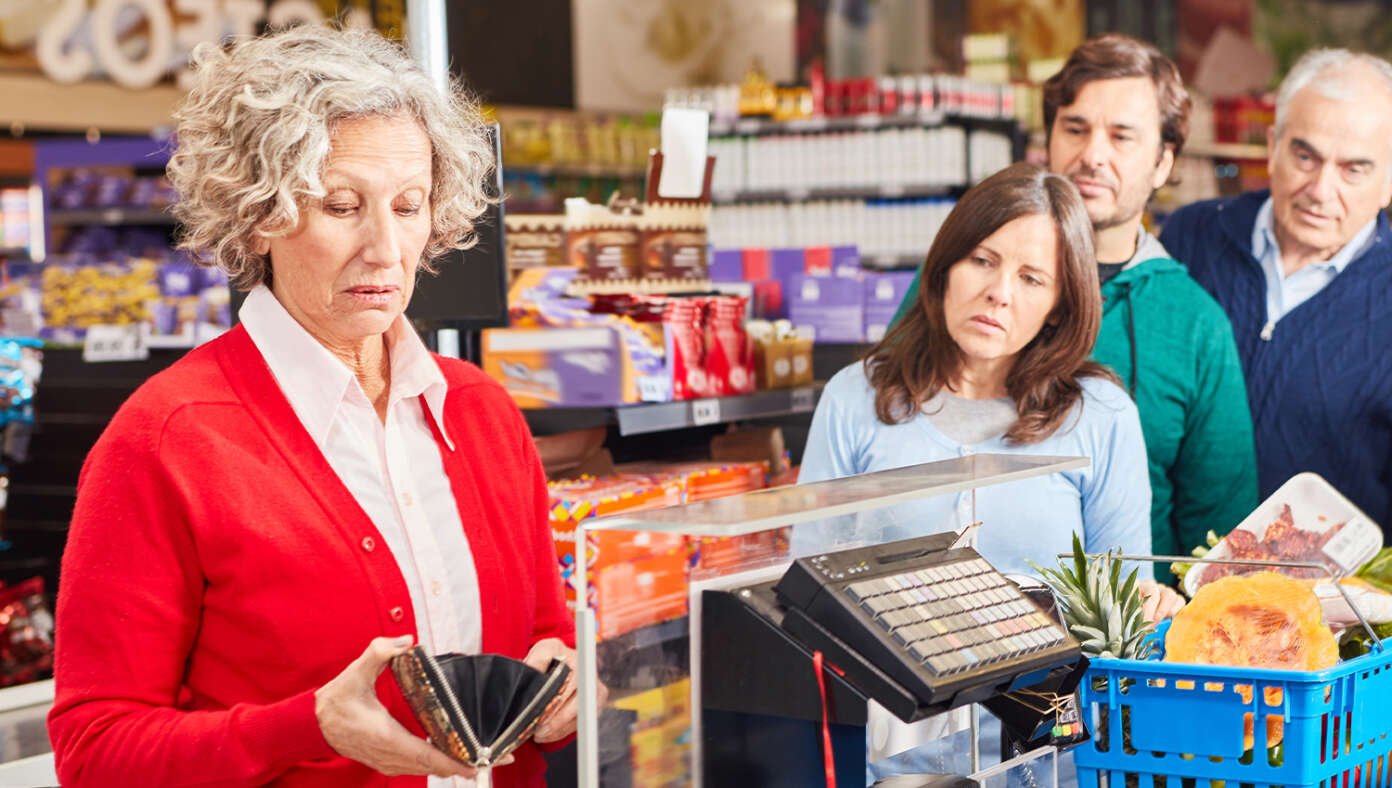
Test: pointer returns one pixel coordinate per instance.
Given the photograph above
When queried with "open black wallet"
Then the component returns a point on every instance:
(476, 707)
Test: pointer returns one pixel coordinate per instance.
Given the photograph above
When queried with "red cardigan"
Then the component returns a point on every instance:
(218, 572)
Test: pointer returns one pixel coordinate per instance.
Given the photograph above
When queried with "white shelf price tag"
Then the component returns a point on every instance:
(705, 411)
(802, 400)
(115, 343)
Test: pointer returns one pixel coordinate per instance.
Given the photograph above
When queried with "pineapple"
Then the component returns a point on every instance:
(1101, 611)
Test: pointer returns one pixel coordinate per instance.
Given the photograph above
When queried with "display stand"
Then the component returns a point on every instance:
(654, 673)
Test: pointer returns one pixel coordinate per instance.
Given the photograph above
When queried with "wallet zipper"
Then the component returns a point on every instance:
(530, 708)
(481, 752)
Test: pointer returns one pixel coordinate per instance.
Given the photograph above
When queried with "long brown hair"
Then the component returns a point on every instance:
(918, 357)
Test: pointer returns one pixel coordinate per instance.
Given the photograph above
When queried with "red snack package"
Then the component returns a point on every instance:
(26, 647)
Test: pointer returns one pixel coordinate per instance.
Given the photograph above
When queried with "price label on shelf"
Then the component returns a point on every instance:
(705, 411)
(115, 343)
(803, 400)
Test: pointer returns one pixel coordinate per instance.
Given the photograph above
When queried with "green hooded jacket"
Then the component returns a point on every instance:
(1173, 348)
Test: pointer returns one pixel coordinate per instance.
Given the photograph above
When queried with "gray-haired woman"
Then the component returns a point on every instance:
(266, 523)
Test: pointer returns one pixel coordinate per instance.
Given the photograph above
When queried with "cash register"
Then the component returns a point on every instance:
(919, 626)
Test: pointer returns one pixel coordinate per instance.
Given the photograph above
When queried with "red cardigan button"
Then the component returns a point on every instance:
(369, 544)
(397, 614)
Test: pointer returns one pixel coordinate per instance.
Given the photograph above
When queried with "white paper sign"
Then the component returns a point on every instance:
(705, 411)
(684, 137)
(115, 343)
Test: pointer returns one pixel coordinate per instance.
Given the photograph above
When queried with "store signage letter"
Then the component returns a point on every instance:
(64, 57)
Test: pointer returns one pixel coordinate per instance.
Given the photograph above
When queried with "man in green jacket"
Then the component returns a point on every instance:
(1116, 116)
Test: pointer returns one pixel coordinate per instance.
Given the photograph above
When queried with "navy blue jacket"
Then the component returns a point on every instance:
(1321, 387)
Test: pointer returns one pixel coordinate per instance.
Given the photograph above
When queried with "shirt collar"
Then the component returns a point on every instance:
(1264, 241)
(316, 382)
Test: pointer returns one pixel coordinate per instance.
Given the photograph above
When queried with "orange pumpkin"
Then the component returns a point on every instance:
(1262, 620)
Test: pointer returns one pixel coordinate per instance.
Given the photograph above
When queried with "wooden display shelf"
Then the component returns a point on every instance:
(37, 102)
(1225, 150)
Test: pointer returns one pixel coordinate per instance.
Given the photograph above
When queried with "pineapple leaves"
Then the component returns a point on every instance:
(1104, 612)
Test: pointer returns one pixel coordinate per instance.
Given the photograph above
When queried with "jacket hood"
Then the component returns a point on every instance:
(1137, 275)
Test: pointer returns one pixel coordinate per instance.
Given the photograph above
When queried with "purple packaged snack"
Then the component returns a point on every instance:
(845, 260)
(784, 264)
(727, 265)
(74, 192)
(164, 314)
(827, 308)
(111, 191)
(142, 193)
(179, 278)
(215, 308)
(209, 278)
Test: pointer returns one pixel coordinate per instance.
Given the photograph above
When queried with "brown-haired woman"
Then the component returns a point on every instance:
(995, 359)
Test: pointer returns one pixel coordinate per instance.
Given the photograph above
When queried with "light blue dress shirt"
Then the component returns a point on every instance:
(1284, 293)
(1108, 502)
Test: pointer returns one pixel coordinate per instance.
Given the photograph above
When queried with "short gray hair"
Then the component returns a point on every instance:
(255, 129)
(1315, 63)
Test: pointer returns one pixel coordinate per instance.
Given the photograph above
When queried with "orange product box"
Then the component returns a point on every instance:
(711, 553)
(703, 480)
(636, 578)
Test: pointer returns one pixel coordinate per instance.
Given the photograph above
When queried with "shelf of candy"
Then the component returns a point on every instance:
(26, 633)
(824, 293)
(177, 303)
(631, 247)
(26, 623)
(110, 196)
(18, 214)
(878, 163)
(637, 580)
(611, 350)
(758, 106)
(660, 736)
(889, 233)
(551, 155)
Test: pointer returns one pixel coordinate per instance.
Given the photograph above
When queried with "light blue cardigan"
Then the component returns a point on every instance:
(1108, 502)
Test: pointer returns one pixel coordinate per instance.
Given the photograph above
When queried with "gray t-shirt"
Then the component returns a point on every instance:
(970, 421)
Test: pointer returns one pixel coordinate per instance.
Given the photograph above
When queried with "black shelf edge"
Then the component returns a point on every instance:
(761, 126)
(892, 262)
(643, 418)
(111, 216)
(575, 170)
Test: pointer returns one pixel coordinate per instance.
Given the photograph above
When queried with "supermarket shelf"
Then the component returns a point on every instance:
(880, 192)
(111, 216)
(644, 418)
(1225, 150)
(757, 126)
(761, 126)
(887, 262)
(575, 170)
(584, 287)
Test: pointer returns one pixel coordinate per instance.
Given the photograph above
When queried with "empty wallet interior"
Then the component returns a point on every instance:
(476, 707)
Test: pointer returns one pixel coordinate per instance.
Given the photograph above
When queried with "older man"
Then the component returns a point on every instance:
(1117, 114)
(1304, 272)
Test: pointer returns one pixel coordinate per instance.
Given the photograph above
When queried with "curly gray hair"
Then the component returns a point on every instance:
(256, 126)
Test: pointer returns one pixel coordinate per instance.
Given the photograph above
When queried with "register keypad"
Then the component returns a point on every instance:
(956, 616)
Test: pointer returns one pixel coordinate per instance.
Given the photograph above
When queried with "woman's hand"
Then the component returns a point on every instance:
(358, 726)
(1158, 602)
(559, 720)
